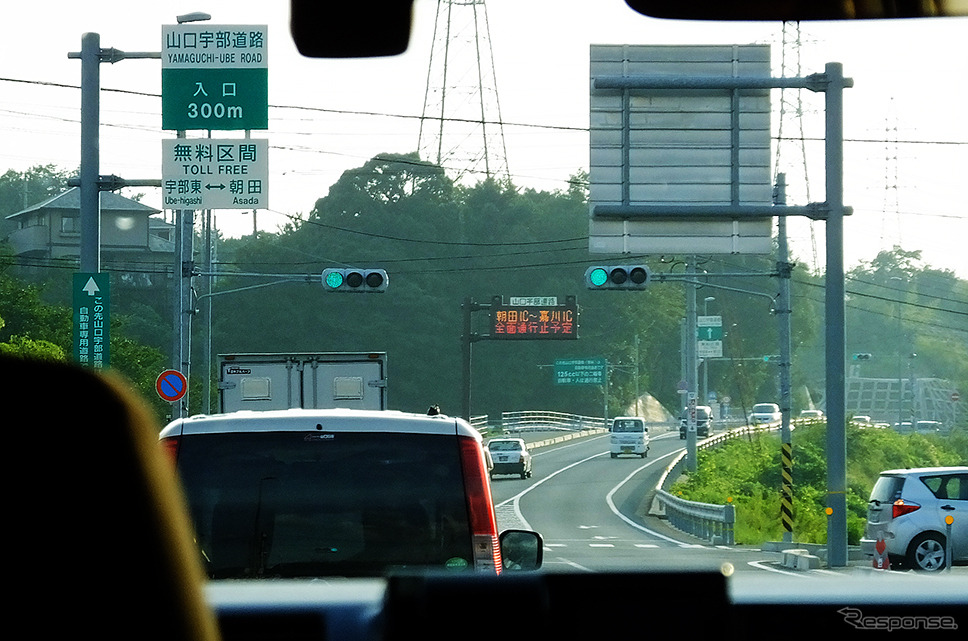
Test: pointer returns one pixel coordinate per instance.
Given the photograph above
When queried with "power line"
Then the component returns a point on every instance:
(552, 127)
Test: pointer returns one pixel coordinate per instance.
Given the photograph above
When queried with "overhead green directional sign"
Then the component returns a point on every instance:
(214, 77)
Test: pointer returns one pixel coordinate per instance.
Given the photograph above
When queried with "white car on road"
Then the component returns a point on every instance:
(765, 413)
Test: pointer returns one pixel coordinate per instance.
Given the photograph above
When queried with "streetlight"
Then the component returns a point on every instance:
(195, 16)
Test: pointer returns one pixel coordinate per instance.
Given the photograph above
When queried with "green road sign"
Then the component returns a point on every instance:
(214, 77)
(215, 173)
(92, 319)
(580, 371)
(225, 99)
(709, 333)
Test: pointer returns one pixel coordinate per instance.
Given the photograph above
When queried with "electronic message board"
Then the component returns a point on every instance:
(534, 318)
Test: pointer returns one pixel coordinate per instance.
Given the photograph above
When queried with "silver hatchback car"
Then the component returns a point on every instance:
(908, 510)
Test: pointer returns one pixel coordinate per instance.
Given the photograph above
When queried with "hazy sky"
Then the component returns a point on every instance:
(906, 150)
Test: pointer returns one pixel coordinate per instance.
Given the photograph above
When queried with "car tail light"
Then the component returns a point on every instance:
(480, 506)
(170, 447)
(900, 508)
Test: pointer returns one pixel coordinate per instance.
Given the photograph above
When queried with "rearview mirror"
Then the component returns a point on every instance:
(796, 9)
(521, 550)
(350, 29)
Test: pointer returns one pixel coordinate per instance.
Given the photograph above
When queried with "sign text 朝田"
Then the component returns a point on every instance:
(215, 173)
(534, 321)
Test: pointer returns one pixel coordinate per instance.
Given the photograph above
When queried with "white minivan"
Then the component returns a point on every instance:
(629, 436)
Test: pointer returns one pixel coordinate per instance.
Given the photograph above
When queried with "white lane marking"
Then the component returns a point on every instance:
(615, 510)
(574, 565)
(761, 565)
(515, 500)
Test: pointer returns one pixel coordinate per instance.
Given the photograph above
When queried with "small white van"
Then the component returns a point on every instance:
(629, 435)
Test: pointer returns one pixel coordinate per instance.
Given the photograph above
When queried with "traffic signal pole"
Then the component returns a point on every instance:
(832, 84)
(836, 339)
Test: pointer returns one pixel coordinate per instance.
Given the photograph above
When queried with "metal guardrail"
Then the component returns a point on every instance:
(714, 523)
(536, 420)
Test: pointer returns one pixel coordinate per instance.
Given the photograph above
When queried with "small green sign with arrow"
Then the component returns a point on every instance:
(92, 319)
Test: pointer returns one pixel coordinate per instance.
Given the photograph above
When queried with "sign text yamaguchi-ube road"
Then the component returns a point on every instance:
(214, 77)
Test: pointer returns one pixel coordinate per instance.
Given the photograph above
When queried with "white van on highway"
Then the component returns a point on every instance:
(629, 436)
(302, 493)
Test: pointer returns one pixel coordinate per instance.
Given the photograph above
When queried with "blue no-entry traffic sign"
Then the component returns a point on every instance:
(171, 385)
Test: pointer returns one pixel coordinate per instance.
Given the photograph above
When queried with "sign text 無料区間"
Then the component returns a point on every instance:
(215, 173)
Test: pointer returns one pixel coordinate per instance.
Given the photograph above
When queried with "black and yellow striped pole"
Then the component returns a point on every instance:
(786, 491)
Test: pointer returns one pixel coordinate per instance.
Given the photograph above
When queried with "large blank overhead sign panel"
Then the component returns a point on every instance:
(678, 149)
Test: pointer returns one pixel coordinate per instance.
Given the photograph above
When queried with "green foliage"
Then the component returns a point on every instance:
(19, 190)
(442, 243)
(747, 472)
(31, 328)
(42, 350)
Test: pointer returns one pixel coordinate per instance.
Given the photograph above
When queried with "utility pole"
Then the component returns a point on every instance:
(784, 315)
(90, 181)
(692, 377)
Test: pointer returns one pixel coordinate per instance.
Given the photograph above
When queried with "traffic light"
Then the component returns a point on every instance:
(617, 277)
(863, 356)
(360, 281)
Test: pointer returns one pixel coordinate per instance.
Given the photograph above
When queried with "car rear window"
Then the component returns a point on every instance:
(887, 489)
(288, 504)
(504, 446)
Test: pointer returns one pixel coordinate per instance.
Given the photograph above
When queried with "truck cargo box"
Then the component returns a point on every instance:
(311, 381)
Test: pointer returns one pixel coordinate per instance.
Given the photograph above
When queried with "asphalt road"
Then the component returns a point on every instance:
(593, 512)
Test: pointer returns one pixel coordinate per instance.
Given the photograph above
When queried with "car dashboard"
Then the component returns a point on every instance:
(572, 605)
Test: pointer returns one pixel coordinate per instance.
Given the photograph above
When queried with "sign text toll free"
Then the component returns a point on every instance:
(215, 174)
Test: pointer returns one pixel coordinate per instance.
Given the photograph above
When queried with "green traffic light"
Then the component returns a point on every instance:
(598, 277)
(334, 279)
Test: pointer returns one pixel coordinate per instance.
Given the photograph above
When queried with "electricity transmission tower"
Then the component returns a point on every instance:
(461, 127)
(791, 153)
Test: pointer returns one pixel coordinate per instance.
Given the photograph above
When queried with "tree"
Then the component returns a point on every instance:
(441, 243)
(31, 328)
(19, 190)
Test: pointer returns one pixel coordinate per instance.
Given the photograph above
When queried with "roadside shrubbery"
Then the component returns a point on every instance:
(746, 471)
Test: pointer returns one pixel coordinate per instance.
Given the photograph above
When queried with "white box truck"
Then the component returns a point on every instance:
(355, 380)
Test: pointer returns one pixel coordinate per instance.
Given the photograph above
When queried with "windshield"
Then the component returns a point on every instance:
(628, 426)
(504, 446)
(538, 235)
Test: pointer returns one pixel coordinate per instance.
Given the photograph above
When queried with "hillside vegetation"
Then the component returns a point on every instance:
(747, 472)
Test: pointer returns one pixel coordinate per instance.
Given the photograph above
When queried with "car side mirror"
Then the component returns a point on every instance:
(521, 550)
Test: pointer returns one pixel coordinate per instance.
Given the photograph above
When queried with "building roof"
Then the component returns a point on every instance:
(71, 200)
